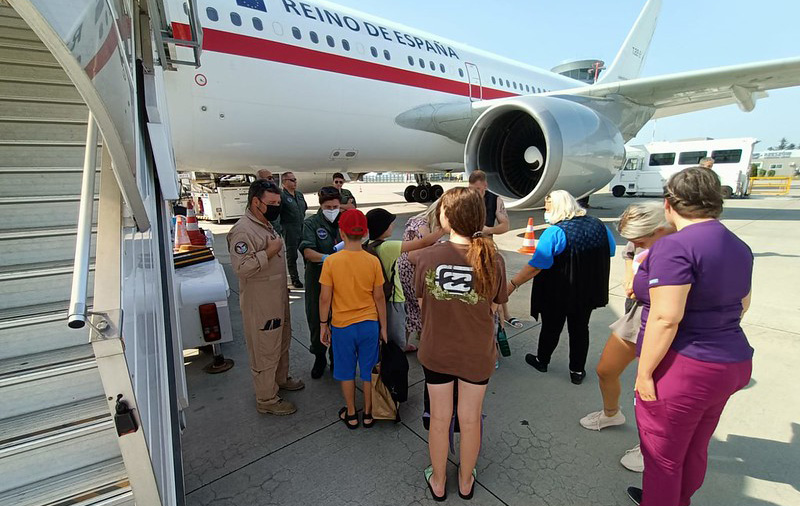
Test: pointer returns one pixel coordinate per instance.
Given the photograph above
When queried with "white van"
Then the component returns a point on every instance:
(648, 167)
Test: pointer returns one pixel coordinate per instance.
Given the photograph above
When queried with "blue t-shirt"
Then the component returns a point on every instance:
(553, 242)
(719, 266)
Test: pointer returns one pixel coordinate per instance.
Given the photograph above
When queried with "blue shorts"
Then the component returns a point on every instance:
(356, 343)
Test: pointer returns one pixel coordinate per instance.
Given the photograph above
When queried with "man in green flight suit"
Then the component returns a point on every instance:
(293, 212)
(320, 235)
(348, 201)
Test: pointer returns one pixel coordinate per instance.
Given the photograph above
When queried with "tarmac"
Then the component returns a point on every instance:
(534, 451)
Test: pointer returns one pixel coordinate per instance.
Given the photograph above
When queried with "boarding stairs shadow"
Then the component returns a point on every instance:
(58, 441)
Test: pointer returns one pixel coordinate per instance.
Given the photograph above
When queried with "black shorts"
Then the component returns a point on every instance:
(437, 378)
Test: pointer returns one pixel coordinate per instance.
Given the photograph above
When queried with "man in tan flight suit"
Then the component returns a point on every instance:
(258, 258)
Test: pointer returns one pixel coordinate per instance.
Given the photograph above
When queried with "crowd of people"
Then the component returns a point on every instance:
(687, 281)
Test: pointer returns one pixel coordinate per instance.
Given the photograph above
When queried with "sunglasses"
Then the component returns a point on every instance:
(269, 178)
(338, 181)
(293, 180)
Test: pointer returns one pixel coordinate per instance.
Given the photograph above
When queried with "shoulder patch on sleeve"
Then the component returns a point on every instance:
(240, 247)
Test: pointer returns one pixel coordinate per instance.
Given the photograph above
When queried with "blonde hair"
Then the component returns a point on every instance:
(563, 206)
(639, 220)
(431, 216)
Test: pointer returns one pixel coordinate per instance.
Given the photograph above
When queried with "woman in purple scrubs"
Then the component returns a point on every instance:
(693, 354)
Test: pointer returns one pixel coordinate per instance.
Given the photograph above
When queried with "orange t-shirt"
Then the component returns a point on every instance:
(353, 276)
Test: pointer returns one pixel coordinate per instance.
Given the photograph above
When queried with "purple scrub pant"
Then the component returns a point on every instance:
(676, 428)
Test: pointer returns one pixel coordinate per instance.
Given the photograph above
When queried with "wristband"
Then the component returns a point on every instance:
(323, 322)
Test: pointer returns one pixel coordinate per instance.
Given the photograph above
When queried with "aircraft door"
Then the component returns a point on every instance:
(475, 88)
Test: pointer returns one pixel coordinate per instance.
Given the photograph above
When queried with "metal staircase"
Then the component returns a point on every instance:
(58, 442)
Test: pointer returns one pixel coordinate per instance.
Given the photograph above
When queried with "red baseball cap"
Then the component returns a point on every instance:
(353, 222)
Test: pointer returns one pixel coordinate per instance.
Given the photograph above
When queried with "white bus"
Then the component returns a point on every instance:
(648, 167)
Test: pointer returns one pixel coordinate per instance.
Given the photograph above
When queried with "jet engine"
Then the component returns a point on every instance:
(530, 146)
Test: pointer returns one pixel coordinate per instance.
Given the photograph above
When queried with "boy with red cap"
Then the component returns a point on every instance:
(352, 280)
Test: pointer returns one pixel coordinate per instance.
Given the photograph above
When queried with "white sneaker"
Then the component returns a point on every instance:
(633, 460)
(598, 420)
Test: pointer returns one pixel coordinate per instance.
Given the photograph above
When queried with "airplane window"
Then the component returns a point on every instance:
(515, 85)
(257, 24)
(422, 63)
(441, 67)
(411, 60)
(508, 83)
(296, 33)
(433, 65)
(236, 19)
(314, 37)
(527, 89)
(346, 45)
(330, 40)
(387, 55)
(494, 81)
(374, 51)
(538, 90)
(461, 72)
(212, 14)
(277, 28)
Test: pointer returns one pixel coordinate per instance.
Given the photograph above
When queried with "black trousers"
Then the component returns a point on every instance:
(577, 320)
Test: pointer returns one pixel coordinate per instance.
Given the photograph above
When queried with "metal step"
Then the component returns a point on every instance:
(13, 129)
(23, 33)
(43, 108)
(37, 283)
(52, 421)
(37, 245)
(32, 212)
(101, 484)
(25, 50)
(22, 69)
(28, 463)
(37, 88)
(54, 382)
(48, 153)
(38, 333)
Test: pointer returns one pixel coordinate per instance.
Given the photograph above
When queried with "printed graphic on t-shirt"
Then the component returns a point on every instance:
(452, 282)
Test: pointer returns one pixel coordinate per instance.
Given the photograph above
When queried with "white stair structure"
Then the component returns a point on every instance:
(59, 443)
(57, 437)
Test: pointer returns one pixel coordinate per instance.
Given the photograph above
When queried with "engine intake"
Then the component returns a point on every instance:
(529, 146)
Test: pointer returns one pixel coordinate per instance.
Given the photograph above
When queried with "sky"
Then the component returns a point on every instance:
(691, 35)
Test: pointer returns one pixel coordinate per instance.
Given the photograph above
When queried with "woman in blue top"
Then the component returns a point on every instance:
(693, 354)
(571, 267)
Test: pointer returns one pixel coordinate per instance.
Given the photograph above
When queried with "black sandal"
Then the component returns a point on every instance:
(365, 423)
(346, 419)
(467, 496)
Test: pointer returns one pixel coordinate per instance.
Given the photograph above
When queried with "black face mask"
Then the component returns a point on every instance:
(272, 212)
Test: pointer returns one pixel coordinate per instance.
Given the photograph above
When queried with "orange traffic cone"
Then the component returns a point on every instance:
(195, 236)
(181, 236)
(529, 241)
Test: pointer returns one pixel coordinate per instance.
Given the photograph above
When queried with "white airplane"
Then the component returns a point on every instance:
(318, 87)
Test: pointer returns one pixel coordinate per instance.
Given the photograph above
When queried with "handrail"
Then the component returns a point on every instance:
(80, 269)
(163, 34)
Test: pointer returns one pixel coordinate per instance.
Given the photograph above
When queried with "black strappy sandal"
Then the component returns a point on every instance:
(468, 496)
(346, 419)
(365, 423)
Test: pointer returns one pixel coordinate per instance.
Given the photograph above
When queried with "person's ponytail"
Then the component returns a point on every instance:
(481, 256)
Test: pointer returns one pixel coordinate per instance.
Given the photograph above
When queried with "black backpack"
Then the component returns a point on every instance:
(371, 247)
(394, 371)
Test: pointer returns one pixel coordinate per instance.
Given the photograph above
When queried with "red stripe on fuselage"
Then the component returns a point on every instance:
(252, 47)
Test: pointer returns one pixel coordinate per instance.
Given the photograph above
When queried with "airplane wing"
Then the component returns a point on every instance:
(673, 94)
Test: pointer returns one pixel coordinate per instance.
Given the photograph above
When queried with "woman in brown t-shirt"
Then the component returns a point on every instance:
(459, 284)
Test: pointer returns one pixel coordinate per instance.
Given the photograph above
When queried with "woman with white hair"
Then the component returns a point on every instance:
(643, 225)
(571, 268)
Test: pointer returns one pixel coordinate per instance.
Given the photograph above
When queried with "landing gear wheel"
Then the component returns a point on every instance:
(409, 193)
(437, 191)
(422, 194)
(727, 192)
(618, 191)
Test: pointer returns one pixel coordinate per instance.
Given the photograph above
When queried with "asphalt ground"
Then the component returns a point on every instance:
(534, 451)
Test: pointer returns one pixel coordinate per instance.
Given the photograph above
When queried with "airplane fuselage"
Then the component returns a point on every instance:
(316, 86)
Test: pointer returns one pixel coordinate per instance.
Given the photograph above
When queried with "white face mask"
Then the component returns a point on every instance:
(547, 216)
(330, 214)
